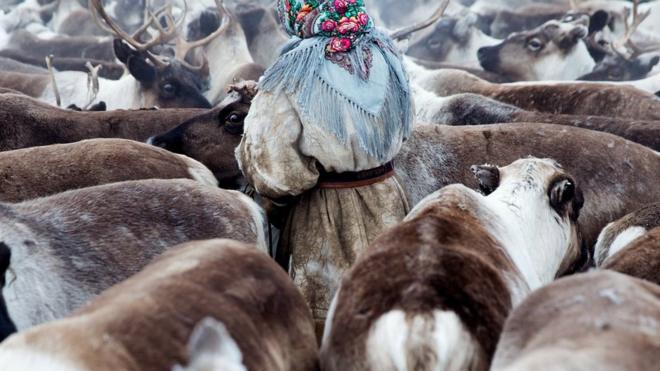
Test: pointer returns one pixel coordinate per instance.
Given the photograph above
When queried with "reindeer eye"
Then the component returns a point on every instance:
(234, 118)
(534, 45)
(234, 123)
(169, 89)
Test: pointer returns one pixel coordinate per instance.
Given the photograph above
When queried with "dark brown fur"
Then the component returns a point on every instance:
(469, 109)
(588, 99)
(595, 321)
(228, 281)
(641, 258)
(442, 259)
(211, 138)
(43, 171)
(26, 122)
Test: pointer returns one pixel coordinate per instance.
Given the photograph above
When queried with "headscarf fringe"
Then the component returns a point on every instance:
(297, 74)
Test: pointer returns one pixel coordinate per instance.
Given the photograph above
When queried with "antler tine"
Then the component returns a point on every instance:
(183, 47)
(404, 32)
(106, 22)
(167, 33)
(149, 19)
(630, 28)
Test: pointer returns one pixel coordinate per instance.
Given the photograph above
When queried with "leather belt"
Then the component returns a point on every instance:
(355, 179)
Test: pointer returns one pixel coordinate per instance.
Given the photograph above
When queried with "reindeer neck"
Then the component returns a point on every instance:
(535, 244)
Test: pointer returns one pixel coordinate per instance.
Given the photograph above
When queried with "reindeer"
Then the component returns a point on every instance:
(625, 60)
(433, 292)
(595, 321)
(43, 171)
(84, 241)
(26, 122)
(473, 109)
(574, 98)
(239, 309)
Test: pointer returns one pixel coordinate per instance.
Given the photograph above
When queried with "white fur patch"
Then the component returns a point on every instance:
(564, 67)
(211, 347)
(624, 239)
(24, 359)
(393, 339)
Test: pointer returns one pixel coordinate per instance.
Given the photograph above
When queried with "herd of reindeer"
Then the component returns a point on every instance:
(129, 239)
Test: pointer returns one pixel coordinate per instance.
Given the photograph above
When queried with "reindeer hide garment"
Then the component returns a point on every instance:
(336, 101)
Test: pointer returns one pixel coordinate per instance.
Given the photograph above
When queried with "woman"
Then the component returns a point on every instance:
(330, 115)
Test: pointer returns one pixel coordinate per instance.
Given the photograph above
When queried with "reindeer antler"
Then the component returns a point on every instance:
(626, 42)
(404, 32)
(51, 72)
(165, 34)
(92, 83)
(574, 4)
(183, 46)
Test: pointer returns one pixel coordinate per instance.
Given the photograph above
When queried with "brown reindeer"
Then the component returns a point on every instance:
(433, 292)
(26, 122)
(251, 318)
(595, 321)
(42, 171)
(473, 109)
(587, 99)
(64, 249)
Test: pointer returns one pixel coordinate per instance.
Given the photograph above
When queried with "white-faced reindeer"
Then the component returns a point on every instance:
(433, 292)
(553, 51)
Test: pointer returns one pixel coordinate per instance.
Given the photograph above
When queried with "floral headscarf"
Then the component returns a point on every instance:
(338, 66)
(341, 20)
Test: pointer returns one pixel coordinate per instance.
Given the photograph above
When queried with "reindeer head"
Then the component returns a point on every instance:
(453, 39)
(553, 51)
(212, 138)
(165, 81)
(545, 201)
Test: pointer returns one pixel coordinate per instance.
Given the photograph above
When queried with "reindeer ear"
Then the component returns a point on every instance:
(653, 62)
(598, 21)
(141, 70)
(488, 177)
(566, 197)
(122, 50)
(5, 259)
